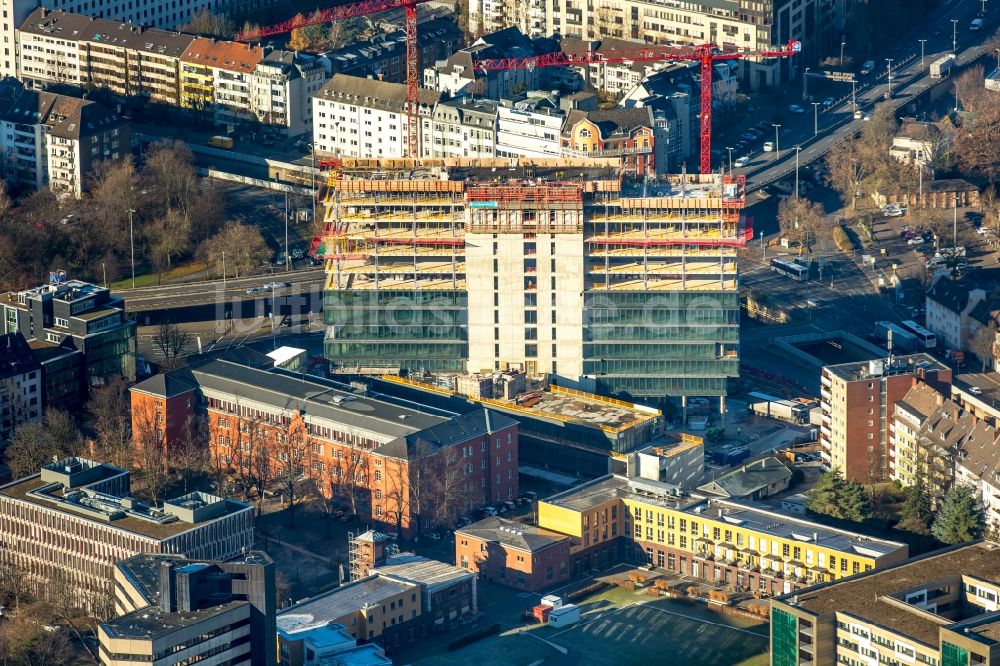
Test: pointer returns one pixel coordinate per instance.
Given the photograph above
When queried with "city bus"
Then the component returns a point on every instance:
(792, 269)
(927, 339)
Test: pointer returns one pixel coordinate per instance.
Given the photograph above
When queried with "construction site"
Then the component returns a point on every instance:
(571, 271)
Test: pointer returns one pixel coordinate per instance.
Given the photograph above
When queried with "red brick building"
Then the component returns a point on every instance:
(518, 555)
(398, 467)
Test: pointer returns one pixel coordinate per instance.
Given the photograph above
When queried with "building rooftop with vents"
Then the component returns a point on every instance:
(511, 534)
(900, 365)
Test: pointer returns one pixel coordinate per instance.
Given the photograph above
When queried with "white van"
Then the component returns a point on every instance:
(976, 24)
(768, 146)
(741, 162)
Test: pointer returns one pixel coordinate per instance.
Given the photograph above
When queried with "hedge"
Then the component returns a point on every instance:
(842, 240)
(477, 635)
(593, 588)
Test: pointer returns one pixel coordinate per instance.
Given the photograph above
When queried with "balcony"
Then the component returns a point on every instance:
(613, 152)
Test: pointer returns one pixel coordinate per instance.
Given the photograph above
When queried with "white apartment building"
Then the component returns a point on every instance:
(55, 140)
(356, 117)
(281, 89)
(529, 129)
(463, 128)
(232, 65)
(948, 306)
(20, 385)
(458, 76)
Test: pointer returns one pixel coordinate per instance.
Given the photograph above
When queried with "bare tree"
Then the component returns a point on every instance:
(207, 23)
(458, 485)
(169, 237)
(292, 458)
(150, 450)
(352, 473)
(189, 455)
(172, 341)
(109, 406)
(243, 247)
(969, 88)
(977, 143)
(798, 219)
(984, 344)
(42, 442)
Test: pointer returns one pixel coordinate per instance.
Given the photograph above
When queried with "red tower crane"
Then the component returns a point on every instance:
(706, 54)
(361, 9)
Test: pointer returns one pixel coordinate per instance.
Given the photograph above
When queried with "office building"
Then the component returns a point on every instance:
(358, 117)
(188, 611)
(64, 374)
(858, 400)
(303, 643)
(539, 266)
(530, 125)
(84, 315)
(405, 468)
(936, 609)
(726, 542)
(21, 394)
(514, 554)
(69, 524)
(55, 141)
(404, 600)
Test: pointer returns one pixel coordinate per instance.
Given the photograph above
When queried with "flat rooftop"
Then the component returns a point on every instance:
(901, 365)
(330, 606)
(24, 490)
(510, 533)
(150, 623)
(864, 595)
(987, 384)
(556, 403)
(417, 569)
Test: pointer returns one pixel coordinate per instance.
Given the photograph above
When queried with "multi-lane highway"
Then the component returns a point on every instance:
(910, 78)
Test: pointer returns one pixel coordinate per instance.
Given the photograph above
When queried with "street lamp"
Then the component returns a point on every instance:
(842, 44)
(854, 103)
(288, 258)
(777, 141)
(888, 76)
(923, 42)
(131, 242)
(998, 58)
(805, 84)
(954, 35)
(815, 118)
(730, 159)
(762, 246)
(223, 271)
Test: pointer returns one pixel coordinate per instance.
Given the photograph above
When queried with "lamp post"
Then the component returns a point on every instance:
(777, 141)
(998, 58)
(805, 84)
(888, 76)
(842, 44)
(923, 43)
(131, 242)
(730, 159)
(223, 271)
(854, 103)
(762, 246)
(815, 118)
(288, 258)
(104, 275)
(954, 35)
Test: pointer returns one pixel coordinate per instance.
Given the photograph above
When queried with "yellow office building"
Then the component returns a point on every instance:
(728, 542)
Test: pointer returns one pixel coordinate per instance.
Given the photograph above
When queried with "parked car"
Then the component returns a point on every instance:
(905, 228)
(916, 240)
(828, 102)
(297, 254)
(489, 511)
(795, 108)
(463, 521)
(859, 114)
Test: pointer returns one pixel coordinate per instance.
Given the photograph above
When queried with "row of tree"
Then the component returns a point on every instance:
(959, 516)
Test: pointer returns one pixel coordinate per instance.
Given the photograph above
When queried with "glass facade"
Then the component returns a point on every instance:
(784, 646)
(952, 655)
(391, 329)
(110, 353)
(655, 344)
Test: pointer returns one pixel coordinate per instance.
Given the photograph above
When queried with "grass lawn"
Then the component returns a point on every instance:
(151, 279)
(623, 628)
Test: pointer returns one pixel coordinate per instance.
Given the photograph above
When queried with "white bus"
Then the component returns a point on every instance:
(926, 338)
(792, 269)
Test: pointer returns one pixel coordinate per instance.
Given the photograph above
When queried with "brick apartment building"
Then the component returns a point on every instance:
(858, 400)
(514, 554)
(401, 468)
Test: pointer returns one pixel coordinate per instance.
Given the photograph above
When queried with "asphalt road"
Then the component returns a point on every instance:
(197, 293)
(910, 78)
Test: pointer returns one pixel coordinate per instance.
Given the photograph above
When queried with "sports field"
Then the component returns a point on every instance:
(623, 628)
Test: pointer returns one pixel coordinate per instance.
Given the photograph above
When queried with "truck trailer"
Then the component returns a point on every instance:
(941, 67)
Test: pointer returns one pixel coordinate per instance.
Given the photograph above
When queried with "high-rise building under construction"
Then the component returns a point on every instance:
(570, 268)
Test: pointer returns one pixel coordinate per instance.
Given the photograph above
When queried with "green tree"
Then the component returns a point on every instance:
(915, 512)
(845, 500)
(960, 517)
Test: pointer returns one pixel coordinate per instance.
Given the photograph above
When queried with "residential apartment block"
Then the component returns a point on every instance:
(949, 308)
(463, 128)
(404, 468)
(69, 524)
(192, 611)
(384, 57)
(21, 394)
(54, 141)
(538, 265)
(530, 126)
(151, 13)
(458, 75)
(750, 25)
(355, 117)
(230, 82)
(938, 609)
(514, 554)
(615, 518)
(626, 134)
(858, 400)
(80, 314)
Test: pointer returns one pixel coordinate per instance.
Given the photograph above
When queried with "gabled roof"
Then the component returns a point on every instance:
(949, 294)
(221, 54)
(611, 122)
(986, 311)
(65, 116)
(509, 533)
(460, 429)
(744, 481)
(167, 385)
